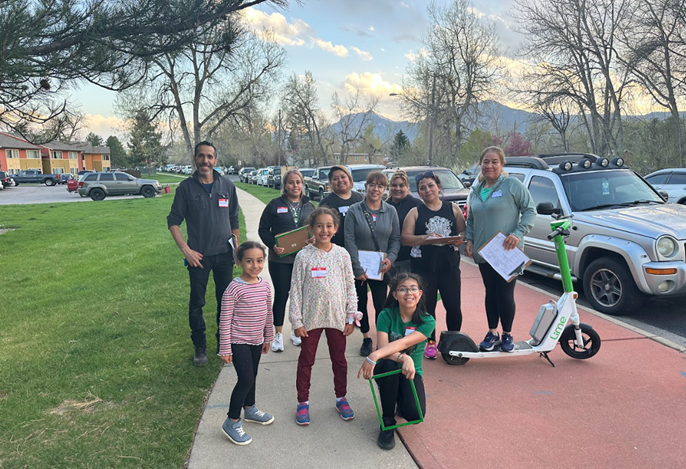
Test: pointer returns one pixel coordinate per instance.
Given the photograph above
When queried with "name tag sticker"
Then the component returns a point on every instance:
(373, 217)
(343, 210)
(318, 272)
(410, 330)
(281, 209)
(497, 193)
(223, 202)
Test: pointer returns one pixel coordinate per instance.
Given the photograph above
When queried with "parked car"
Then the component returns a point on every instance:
(231, 170)
(672, 181)
(64, 177)
(626, 244)
(453, 190)
(468, 176)
(318, 183)
(262, 174)
(252, 177)
(99, 185)
(306, 172)
(244, 173)
(274, 177)
(36, 176)
(6, 180)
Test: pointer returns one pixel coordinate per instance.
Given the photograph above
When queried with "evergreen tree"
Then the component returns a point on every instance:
(401, 144)
(95, 140)
(118, 156)
(145, 147)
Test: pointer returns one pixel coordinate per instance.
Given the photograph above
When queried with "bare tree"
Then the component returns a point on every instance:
(574, 43)
(353, 114)
(456, 73)
(556, 110)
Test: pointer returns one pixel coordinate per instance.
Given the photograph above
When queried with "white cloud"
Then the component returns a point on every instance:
(104, 125)
(404, 5)
(412, 55)
(327, 46)
(371, 84)
(364, 55)
(371, 28)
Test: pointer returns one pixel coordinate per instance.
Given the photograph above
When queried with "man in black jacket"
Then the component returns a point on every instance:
(208, 203)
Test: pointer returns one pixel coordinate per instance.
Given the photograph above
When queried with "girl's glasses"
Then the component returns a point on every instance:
(403, 290)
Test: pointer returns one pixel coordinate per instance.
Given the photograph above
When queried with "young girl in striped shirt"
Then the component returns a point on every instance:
(245, 332)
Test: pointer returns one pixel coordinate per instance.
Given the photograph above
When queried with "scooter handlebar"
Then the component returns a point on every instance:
(558, 231)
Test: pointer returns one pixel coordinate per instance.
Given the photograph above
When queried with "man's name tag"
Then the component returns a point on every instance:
(343, 210)
(223, 202)
(410, 330)
(318, 272)
(374, 216)
(497, 193)
(281, 209)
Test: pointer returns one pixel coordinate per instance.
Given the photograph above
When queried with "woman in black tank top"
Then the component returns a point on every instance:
(437, 263)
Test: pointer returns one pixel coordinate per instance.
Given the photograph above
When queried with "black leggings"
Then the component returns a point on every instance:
(246, 359)
(396, 389)
(500, 303)
(281, 279)
(379, 293)
(449, 284)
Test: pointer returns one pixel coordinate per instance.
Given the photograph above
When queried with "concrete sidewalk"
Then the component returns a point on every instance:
(327, 442)
(625, 407)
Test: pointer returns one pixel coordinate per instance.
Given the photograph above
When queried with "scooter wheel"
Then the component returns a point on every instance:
(591, 342)
(450, 360)
(455, 342)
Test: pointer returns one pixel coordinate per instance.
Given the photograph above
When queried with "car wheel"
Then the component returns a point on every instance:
(97, 194)
(610, 288)
(148, 192)
(321, 194)
(49, 182)
(682, 201)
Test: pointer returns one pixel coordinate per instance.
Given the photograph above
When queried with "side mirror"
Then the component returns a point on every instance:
(467, 184)
(546, 208)
(664, 195)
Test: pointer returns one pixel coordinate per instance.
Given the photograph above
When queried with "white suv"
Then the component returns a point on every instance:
(672, 181)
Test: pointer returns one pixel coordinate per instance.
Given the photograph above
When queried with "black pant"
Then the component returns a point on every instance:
(281, 279)
(246, 359)
(449, 284)
(379, 293)
(221, 266)
(396, 389)
(500, 303)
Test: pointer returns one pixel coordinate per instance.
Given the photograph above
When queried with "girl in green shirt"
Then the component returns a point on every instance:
(403, 328)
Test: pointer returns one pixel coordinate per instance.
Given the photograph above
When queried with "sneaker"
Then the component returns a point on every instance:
(295, 339)
(302, 414)
(200, 357)
(386, 439)
(507, 345)
(490, 341)
(431, 350)
(277, 343)
(366, 348)
(254, 415)
(344, 408)
(234, 431)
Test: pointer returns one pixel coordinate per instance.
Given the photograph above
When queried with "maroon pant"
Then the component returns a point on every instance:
(308, 351)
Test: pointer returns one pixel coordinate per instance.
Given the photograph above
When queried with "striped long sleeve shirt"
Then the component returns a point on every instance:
(246, 316)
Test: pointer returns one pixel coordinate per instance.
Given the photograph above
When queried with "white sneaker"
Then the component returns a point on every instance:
(295, 339)
(277, 344)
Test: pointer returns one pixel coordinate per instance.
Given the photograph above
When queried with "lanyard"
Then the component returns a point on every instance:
(294, 213)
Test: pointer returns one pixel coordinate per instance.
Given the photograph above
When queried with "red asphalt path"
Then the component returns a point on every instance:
(625, 407)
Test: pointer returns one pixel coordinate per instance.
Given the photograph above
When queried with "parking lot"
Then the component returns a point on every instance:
(42, 194)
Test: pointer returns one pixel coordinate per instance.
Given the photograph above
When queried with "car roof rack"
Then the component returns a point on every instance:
(556, 158)
(532, 162)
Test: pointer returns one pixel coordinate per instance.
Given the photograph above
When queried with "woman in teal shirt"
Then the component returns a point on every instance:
(402, 329)
(497, 203)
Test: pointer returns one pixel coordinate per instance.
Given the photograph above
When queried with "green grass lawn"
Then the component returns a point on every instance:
(95, 355)
(166, 178)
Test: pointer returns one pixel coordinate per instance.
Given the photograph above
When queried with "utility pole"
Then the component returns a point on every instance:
(431, 119)
(280, 141)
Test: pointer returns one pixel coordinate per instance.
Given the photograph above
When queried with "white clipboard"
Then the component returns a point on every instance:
(509, 264)
(371, 262)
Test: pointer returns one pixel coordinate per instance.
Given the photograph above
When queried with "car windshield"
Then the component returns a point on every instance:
(307, 172)
(360, 175)
(448, 179)
(606, 189)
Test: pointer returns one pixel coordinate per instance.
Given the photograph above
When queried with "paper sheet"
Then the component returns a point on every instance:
(508, 264)
(371, 262)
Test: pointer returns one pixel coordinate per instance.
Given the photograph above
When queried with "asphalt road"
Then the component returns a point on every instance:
(663, 317)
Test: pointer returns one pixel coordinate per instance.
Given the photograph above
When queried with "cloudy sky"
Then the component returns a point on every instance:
(344, 43)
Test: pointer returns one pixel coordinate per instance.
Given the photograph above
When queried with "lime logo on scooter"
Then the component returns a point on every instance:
(559, 328)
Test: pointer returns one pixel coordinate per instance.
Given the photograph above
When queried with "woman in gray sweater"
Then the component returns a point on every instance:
(371, 225)
(497, 203)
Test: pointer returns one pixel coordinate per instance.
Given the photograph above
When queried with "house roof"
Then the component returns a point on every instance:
(88, 148)
(9, 141)
(62, 146)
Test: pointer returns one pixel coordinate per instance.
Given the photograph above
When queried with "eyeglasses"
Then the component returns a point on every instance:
(403, 290)
(428, 174)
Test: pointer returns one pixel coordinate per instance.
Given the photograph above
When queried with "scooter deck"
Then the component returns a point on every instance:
(521, 345)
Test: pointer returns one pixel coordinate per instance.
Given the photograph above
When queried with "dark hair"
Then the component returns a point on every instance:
(428, 175)
(246, 245)
(420, 310)
(377, 177)
(323, 211)
(204, 143)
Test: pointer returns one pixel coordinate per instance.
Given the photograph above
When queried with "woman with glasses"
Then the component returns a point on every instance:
(436, 262)
(341, 198)
(371, 225)
(402, 330)
(497, 203)
(403, 201)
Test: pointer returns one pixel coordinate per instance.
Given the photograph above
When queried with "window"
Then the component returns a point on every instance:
(73, 155)
(678, 178)
(543, 190)
(517, 176)
(12, 153)
(74, 171)
(91, 177)
(658, 178)
(58, 170)
(105, 157)
(33, 154)
(106, 177)
(121, 176)
(56, 155)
